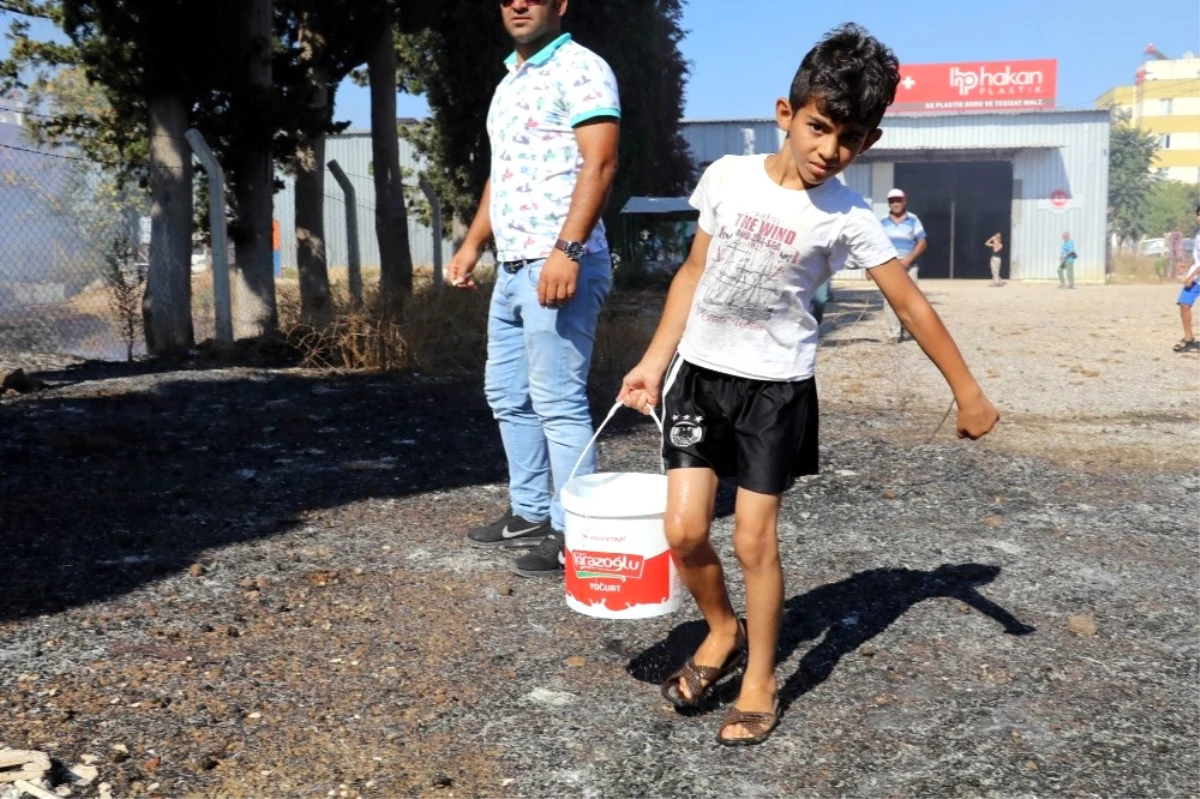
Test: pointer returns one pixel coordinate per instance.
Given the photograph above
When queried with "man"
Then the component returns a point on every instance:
(908, 237)
(553, 127)
(1189, 294)
(1066, 263)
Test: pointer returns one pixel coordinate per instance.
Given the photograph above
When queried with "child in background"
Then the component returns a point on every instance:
(1189, 294)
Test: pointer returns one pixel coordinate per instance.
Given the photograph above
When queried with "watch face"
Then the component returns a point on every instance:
(573, 249)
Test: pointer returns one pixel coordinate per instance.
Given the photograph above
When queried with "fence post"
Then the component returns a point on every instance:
(223, 306)
(436, 207)
(355, 260)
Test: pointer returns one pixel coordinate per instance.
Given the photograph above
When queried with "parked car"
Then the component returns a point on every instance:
(1158, 246)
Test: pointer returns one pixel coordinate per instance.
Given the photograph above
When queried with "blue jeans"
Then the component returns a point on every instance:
(536, 381)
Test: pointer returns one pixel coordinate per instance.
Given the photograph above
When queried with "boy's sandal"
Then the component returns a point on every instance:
(1184, 345)
(760, 725)
(701, 680)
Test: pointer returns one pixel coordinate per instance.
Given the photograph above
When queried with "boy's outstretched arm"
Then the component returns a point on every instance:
(642, 387)
(976, 414)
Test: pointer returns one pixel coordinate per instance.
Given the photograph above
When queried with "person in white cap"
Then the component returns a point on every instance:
(908, 237)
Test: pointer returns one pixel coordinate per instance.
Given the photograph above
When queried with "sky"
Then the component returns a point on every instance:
(744, 54)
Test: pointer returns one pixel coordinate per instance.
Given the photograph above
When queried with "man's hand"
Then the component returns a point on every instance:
(642, 387)
(976, 418)
(462, 265)
(557, 284)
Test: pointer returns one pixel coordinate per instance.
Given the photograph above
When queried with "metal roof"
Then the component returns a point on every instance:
(909, 116)
(658, 205)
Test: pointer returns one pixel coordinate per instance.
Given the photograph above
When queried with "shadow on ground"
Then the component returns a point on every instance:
(847, 614)
(111, 485)
(848, 308)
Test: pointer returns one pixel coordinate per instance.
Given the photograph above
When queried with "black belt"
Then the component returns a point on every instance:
(512, 267)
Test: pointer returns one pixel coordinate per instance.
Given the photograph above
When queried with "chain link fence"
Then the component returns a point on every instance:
(75, 248)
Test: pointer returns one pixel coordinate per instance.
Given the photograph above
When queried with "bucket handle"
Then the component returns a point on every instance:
(600, 429)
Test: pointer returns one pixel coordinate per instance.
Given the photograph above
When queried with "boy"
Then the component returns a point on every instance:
(737, 344)
(1189, 294)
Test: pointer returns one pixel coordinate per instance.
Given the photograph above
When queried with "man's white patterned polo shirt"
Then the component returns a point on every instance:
(535, 158)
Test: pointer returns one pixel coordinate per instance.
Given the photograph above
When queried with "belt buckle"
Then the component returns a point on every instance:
(512, 267)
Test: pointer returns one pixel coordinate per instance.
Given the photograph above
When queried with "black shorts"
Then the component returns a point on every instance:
(763, 432)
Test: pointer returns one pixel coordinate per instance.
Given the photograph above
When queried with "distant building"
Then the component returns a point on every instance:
(352, 151)
(1165, 100)
(1029, 175)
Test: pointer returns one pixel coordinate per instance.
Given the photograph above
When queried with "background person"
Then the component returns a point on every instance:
(1189, 294)
(1066, 262)
(553, 127)
(996, 243)
(907, 235)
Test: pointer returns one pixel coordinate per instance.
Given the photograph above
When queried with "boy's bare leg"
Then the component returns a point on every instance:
(756, 542)
(1185, 314)
(691, 495)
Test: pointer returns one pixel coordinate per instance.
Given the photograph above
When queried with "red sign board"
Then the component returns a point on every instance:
(977, 86)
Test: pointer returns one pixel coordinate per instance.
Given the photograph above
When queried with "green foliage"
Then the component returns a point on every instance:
(1171, 206)
(1130, 182)
(455, 57)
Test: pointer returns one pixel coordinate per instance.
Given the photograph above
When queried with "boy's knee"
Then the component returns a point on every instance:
(755, 547)
(685, 536)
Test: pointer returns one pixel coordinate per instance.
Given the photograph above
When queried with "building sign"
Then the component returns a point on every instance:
(977, 86)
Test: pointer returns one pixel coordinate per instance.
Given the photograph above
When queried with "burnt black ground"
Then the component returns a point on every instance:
(255, 580)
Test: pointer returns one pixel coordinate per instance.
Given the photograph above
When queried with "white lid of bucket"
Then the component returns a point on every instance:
(616, 495)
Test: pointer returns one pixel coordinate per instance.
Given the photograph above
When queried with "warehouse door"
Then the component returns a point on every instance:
(961, 205)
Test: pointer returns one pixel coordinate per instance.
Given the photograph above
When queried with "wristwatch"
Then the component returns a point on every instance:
(573, 249)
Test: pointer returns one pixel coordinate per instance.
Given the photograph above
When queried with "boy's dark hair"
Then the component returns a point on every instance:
(850, 74)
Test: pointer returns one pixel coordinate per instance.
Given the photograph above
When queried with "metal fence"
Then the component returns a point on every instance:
(74, 249)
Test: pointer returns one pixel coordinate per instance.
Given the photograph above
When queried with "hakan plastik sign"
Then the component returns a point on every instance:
(977, 86)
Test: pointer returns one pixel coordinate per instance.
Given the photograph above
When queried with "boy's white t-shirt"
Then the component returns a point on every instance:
(771, 249)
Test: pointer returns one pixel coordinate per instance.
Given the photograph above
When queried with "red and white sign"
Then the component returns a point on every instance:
(977, 86)
(1059, 198)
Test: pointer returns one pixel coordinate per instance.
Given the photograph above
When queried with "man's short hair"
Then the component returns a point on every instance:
(850, 74)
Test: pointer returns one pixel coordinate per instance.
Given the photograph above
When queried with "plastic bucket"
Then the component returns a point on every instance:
(618, 564)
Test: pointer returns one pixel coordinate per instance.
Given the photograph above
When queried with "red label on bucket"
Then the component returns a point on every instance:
(618, 580)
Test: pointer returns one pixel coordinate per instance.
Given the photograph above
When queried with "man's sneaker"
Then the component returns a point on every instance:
(509, 532)
(547, 560)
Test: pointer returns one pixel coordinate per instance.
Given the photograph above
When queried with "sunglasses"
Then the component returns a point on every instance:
(895, 201)
(508, 3)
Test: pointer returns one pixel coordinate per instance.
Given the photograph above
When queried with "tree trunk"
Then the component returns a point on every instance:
(316, 309)
(391, 217)
(253, 187)
(167, 302)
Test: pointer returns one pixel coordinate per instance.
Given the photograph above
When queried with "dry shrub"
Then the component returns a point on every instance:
(1130, 268)
(626, 326)
(441, 330)
(438, 330)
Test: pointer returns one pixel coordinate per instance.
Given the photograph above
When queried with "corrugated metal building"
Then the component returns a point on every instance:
(1029, 176)
(352, 151)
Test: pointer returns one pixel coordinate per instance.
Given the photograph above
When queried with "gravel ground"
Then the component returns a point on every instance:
(252, 582)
